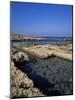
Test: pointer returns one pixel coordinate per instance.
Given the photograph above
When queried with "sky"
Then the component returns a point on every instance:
(48, 20)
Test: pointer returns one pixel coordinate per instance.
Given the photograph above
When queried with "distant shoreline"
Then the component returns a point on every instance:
(19, 37)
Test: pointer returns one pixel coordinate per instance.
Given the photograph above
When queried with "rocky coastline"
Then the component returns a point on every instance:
(45, 51)
(23, 83)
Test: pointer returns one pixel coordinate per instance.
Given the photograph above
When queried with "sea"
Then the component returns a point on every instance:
(48, 40)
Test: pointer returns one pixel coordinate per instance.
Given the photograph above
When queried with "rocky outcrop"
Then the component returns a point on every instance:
(45, 51)
(21, 85)
(20, 57)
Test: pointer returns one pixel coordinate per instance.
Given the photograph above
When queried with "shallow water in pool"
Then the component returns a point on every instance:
(52, 75)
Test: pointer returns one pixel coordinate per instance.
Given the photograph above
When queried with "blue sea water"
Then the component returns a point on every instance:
(43, 41)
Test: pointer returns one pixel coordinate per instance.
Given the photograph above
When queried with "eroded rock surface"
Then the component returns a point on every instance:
(21, 85)
(45, 51)
(20, 57)
(53, 76)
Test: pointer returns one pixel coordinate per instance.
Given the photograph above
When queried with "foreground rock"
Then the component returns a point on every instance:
(21, 85)
(20, 57)
(53, 76)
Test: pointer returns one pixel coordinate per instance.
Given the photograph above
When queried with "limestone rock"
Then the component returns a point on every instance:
(21, 85)
(20, 57)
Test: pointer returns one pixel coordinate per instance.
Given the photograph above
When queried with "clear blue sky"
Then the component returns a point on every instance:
(41, 19)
